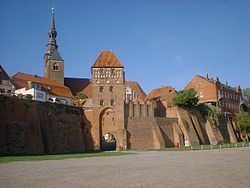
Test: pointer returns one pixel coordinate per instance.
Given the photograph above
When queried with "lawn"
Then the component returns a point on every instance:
(5, 159)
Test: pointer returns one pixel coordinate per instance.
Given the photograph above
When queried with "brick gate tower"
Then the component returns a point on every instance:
(53, 62)
(108, 102)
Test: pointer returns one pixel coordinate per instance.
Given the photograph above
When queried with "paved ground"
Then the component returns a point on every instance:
(216, 168)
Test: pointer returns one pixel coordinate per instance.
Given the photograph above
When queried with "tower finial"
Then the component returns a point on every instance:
(53, 6)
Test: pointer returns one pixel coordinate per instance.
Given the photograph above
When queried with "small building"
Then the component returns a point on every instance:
(212, 91)
(42, 89)
(6, 85)
(163, 99)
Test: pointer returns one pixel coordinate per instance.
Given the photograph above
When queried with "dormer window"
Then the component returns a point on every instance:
(36, 86)
(55, 66)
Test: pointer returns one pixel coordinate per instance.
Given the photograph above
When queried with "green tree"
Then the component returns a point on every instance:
(80, 95)
(210, 113)
(186, 98)
(243, 122)
(78, 99)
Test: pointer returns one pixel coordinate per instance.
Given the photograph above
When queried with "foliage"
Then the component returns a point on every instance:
(243, 122)
(28, 96)
(80, 95)
(186, 98)
(210, 113)
(78, 99)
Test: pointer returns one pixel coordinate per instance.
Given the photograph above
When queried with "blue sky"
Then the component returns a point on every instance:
(160, 42)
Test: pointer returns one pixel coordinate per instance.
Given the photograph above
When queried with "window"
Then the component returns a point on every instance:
(101, 102)
(201, 95)
(36, 86)
(101, 89)
(111, 89)
(112, 102)
(39, 95)
(55, 66)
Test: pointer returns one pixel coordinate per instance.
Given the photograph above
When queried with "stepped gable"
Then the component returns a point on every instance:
(164, 92)
(107, 59)
(22, 80)
(136, 88)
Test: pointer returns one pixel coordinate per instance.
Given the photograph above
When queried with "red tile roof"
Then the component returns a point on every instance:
(163, 92)
(136, 88)
(107, 59)
(21, 80)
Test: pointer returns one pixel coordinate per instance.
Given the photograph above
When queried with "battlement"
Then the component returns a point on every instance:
(139, 110)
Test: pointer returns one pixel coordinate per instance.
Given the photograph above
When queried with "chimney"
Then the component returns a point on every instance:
(226, 83)
(238, 89)
(206, 76)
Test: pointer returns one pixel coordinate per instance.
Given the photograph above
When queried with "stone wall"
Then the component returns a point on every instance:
(31, 127)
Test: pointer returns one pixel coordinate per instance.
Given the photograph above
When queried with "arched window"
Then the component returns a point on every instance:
(55, 66)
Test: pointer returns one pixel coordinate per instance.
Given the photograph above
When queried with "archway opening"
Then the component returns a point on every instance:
(108, 142)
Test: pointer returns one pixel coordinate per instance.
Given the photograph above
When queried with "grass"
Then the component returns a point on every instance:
(6, 159)
(204, 147)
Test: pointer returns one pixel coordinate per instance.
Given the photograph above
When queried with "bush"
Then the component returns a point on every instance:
(210, 113)
(80, 95)
(78, 99)
(186, 98)
(243, 122)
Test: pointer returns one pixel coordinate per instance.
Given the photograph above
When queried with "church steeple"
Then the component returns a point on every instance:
(53, 62)
(52, 45)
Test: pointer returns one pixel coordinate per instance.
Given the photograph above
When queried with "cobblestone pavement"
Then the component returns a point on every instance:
(216, 168)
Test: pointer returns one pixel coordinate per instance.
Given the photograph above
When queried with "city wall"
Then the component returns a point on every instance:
(31, 127)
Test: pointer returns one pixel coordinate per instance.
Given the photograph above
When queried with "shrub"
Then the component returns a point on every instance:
(210, 113)
(243, 122)
(186, 98)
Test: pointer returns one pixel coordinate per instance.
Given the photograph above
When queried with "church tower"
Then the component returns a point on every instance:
(53, 62)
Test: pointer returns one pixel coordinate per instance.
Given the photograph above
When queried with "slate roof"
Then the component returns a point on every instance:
(56, 56)
(78, 85)
(107, 59)
(21, 80)
(4, 74)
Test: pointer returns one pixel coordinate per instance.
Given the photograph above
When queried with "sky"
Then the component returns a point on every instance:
(159, 42)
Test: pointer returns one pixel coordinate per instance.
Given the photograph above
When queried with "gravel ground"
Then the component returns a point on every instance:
(216, 168)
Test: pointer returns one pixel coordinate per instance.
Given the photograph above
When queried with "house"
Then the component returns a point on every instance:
(212, 91)
(6, 85)
(42, 89)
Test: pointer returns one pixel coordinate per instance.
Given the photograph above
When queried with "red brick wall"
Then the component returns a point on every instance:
(30, 127)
